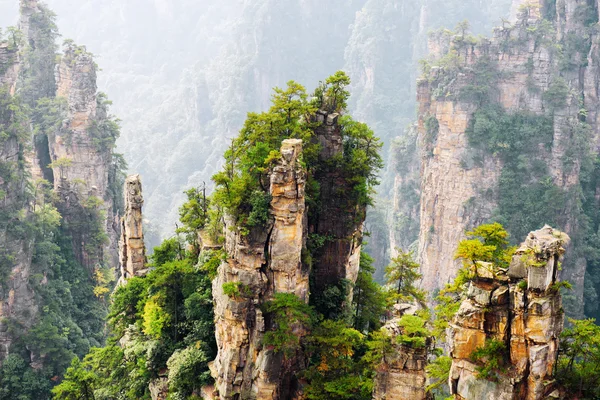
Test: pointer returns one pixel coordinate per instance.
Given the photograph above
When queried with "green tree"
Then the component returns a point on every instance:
(368, 300)
(288, 313)
(336, 370)
(401, 276)
(579, 360)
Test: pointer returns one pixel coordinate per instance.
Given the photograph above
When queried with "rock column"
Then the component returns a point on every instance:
(522, 309)
(132, 252)
(401, 375)
(263, 262)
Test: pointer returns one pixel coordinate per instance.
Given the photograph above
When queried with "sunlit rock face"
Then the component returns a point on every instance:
(520, 308)
(401, 375)
(132, 252)
(459, 191)
(264, 262)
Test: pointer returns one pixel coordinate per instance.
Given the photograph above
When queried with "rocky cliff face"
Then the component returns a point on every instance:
(31, 101)
(82, 149)
(339, 220)
(132, 251)
(527, 75)
(520, 312)
(261, 264)
(401, 374)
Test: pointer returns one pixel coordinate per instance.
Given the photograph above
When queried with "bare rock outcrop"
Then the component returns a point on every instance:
(132, 252)
(261, 264)
(401, 375)
(520, 309)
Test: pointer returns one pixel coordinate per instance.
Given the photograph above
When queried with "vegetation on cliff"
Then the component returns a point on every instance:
(53, 270)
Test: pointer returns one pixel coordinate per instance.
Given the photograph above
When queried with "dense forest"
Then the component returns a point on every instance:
(299, 242)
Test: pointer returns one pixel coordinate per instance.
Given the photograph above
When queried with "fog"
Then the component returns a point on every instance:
(183, 74)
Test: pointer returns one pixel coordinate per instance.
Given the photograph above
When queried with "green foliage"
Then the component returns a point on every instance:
(414, 332)
(210, 260)
(556, 95)
(188, 369)
(37, 75)
(578, 366)
(104, 131)
(260, 203)
(401, 276)
(378, 345)
(248, 158)
(491, 359)
(368, 300)
(331, 302)
(242, 186)
(432, 127)
(236, 290)
(527, 196)
(20, 382)
(332, 95)
(336, 372)
(489, 243)
(166, 319)
(194, 216)
(438, 372)
(288, 314)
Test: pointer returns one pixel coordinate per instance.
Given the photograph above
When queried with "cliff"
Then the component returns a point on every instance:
(262, 264)
(57, 229)
(496, 113)
(504, 339)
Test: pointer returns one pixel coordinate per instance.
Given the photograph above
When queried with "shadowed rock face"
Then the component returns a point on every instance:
(132, 252)
(340, 220)
(519, 308)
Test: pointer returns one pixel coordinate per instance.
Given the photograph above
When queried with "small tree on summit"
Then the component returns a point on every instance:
(332, 95)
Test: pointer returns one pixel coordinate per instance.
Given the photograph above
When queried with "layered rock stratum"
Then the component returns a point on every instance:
(132, 251)
(520, 310)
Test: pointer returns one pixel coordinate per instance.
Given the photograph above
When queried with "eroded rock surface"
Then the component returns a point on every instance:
(132, 252)
(459, 190)
(401, 375)
(522, 309)
(263, 263)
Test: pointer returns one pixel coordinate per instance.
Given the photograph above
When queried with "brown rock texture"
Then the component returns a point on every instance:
(132, 252)
(458, 193)
(81, 149)
(401, 375)
(264, 263)
(522, 309)
(268, 260)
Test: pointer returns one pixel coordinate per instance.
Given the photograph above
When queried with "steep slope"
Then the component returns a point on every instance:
(507, 131)
(58, 175)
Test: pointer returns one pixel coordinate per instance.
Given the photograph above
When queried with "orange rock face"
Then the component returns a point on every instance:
(512, 308)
